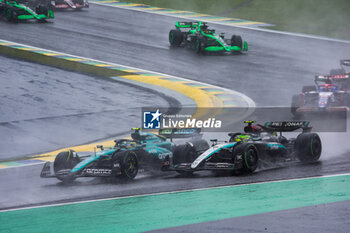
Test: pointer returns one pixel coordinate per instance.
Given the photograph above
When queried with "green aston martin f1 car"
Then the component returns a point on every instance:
(145, 150)
(198, 36)
(20, 10)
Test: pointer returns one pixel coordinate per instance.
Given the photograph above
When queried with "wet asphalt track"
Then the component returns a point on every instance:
(275, 68)
(45, 108)
(24, 187)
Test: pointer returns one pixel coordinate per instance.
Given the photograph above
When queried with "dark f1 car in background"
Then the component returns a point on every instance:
(330, 94)
(15, 11)
(145, 150)
(198, 36)
(243, 152)
(70, 4)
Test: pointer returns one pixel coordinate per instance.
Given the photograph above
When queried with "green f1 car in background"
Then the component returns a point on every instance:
(196, 35)
(18, 10)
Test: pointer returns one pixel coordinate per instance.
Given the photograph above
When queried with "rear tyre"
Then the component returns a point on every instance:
(308, 88)
(237, 41)
(250, 158)
(184, 153)
(65, 160)
(175, 38)
(129, 165)
(308, 147)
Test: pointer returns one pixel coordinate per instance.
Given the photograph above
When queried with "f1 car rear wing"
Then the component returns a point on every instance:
(187, 24)
(286, 126)
(180, 133)
(329, 78)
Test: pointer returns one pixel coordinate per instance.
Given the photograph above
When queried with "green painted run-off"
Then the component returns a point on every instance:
(135, 214)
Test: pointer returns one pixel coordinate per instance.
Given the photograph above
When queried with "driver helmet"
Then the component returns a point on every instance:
(242, 138)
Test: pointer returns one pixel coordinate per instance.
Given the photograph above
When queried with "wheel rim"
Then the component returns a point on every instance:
(251, 158)
(315, 147)
(130, 166)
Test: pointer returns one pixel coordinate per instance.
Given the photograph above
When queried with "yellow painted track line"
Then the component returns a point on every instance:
(201, 97)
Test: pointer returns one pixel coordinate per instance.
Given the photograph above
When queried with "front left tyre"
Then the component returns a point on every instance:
(175, 38)
(65, 160)
(237, 41)
(249, 156)
(129, 165)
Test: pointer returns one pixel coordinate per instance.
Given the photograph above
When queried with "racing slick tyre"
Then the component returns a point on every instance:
(250, 158)
(184, 153)
(308, 147)
(297, 102)
(129, 164)
(175, 38)
(65, 160)
(236, 41)
(308, 88)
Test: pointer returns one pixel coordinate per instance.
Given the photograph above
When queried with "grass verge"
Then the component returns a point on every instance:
(318, 17)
